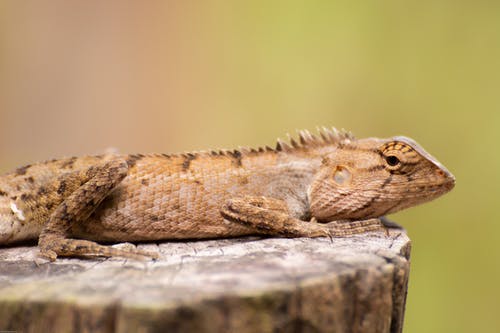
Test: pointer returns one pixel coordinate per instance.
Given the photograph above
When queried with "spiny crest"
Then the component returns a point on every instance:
(327, 136)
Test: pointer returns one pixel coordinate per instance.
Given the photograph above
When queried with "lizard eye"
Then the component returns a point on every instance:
(392, 161)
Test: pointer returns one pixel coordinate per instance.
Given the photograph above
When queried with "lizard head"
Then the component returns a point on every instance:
(369, 178)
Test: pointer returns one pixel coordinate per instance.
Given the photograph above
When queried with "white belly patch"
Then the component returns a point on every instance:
(19, 213)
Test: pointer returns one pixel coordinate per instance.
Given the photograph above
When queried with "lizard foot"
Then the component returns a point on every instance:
(83, 248)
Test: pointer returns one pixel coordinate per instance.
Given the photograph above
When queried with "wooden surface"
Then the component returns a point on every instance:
(355, 284)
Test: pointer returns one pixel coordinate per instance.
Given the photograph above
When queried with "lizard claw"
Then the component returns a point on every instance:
(330, 236)
(46, 253)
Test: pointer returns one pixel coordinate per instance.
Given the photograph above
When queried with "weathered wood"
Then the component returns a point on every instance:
(355, 284)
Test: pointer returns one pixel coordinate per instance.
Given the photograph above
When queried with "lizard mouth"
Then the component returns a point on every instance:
(448, 182)
(449, 185)
(447, 178)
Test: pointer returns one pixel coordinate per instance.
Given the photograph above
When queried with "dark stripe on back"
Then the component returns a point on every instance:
(236, 155)
(132, 159)
(22, 170)
(62, 187)
(69, 163)
(42, 191)
(26, 197)
(187, 161)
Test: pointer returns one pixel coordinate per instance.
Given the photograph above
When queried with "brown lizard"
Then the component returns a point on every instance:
(329, 184)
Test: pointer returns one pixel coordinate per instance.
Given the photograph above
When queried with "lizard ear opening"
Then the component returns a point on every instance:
(342, 176)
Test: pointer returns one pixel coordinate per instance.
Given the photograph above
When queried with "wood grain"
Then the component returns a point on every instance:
(355, 284)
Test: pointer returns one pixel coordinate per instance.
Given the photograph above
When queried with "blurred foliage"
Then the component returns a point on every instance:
(175, 75)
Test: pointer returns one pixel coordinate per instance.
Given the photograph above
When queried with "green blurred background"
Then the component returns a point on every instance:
(164, 76)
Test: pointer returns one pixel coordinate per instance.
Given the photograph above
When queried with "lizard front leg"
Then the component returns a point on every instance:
(269, 216)
(90, 186)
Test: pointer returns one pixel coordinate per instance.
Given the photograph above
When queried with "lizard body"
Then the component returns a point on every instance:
(70, 203)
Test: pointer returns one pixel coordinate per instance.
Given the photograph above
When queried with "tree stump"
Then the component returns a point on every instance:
(355, 284)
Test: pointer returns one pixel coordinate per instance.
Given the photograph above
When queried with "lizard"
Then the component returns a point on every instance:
(327, 184)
